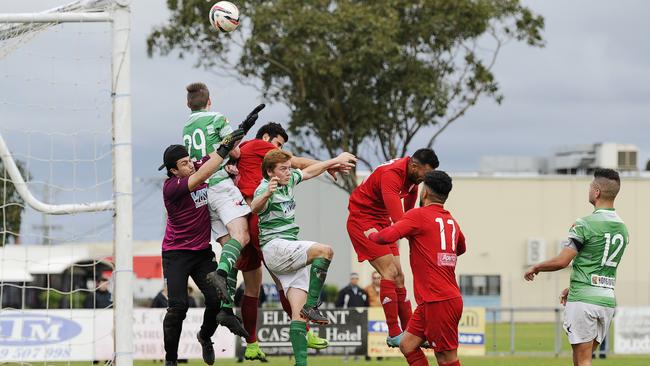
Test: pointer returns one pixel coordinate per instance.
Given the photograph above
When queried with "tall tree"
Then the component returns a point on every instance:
(11, 206)
(360, 76)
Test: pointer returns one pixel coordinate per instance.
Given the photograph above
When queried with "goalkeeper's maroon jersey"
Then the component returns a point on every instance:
(435, 239)
(379, 196)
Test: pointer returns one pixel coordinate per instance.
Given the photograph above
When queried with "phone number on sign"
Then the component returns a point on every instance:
(20, 353)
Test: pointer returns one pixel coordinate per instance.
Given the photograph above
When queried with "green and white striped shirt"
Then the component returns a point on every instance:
(277, 220)
(202, 134)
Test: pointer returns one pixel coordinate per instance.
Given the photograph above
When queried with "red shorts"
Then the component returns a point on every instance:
(368, 250)
(250, 257)
(437, 322)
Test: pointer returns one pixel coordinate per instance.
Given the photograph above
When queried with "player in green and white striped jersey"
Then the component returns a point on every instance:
(596, 245)
(301, 266)
(202, 134)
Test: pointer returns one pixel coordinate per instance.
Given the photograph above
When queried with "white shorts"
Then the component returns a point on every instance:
(226, 204)
(287, 259)
(585, 322)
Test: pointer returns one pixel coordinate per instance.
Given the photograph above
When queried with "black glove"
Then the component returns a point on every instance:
(229, 142)
(251, 118)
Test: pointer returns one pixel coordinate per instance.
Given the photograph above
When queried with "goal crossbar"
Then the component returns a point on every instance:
(80, 17)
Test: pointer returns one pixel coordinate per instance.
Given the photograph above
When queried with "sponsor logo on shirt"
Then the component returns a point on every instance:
(602, 281)
(288, 207)
(447, 259)
(200, 197)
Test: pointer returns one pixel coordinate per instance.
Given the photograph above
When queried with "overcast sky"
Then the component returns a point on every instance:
(591, 83)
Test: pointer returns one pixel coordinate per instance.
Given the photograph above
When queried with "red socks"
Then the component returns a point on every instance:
(249, 306)
(403, 307)
(417, 358)
(388, 296)
(287, 307)
(455, 363)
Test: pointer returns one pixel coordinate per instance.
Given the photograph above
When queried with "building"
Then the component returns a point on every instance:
(569, 159)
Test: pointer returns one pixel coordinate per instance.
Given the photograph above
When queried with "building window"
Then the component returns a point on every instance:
(480, 285)
(627, 160)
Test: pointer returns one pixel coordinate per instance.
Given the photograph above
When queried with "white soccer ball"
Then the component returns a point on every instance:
(224, 16)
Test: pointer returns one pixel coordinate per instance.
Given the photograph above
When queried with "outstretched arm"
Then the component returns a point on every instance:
(216, 158)
(406, 227)
(317, 169)
(557, 263)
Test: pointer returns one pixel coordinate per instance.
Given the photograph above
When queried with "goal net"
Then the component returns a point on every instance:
(65, 184)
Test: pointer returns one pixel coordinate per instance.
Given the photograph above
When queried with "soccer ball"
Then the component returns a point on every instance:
(224, 16)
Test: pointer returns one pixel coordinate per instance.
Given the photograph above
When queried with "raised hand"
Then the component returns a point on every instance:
(273, 184)
(229, 142)
(251, 118)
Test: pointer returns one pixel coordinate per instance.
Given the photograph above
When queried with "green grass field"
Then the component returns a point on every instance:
(466, 361)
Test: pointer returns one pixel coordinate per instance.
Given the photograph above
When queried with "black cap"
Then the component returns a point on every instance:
(171, 156)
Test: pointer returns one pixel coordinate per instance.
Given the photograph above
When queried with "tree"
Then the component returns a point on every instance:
(11, 206)
(358, 76)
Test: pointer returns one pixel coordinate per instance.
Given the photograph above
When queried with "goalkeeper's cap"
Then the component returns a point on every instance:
(171, 156)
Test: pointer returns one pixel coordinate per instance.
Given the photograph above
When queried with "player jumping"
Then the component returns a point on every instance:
(301, 266)
(186, 249)
(202, 134)
(435, 241)
(374, 204)
(596, 245)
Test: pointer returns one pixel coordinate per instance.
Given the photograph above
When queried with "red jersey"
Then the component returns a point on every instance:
(380, 195)
(435, 239)
(250, 165)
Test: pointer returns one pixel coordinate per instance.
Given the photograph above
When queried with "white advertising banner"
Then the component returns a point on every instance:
(632, 330)
(83, 335)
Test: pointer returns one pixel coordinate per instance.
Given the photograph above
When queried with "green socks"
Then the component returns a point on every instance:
(317, 274)
(298, 338)
(229, 255)
(231, 280)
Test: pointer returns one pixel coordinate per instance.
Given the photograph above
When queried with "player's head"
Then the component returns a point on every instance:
(422, 162)
(274, 133)
(605, 186)
(277, 163)
(437, 185)
(177, 161)
(198, 96)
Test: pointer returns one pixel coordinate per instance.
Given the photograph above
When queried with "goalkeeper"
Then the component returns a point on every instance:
(186, 249)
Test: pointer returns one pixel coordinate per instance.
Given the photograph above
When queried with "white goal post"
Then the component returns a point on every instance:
(118, 14)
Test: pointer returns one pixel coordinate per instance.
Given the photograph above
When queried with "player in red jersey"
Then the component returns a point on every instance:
(374, 204)
(249, 167)
(435, 240)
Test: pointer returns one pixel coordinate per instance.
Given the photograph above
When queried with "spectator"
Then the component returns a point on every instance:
(352, 295)
(161, 299)
(373, 290)
(101, 299)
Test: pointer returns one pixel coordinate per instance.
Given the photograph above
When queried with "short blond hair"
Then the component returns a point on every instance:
(272, 159)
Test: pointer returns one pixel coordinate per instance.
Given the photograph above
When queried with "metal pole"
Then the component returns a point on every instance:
(558, 333)
(85, 17)
(494, 331)
(122, 166)
(512, 331)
